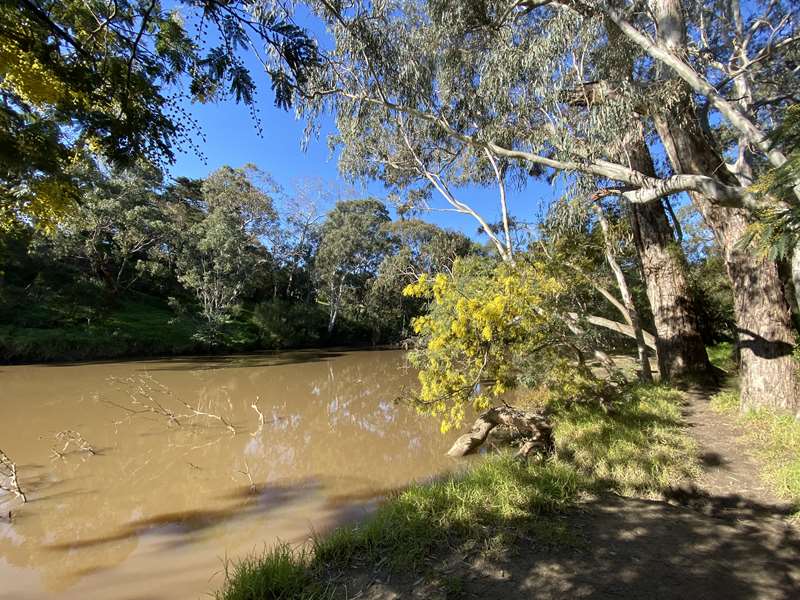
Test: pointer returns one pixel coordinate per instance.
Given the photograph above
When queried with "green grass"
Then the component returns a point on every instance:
(279, 573)
(638, 447)
(723, 356)
(139, 325)
(135, 327)
(776, 440)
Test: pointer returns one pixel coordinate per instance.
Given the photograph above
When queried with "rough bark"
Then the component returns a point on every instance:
(534, 427)
(680, 347)
(769, 374)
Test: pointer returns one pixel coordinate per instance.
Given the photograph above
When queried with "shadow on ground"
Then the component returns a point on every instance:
(628, 548)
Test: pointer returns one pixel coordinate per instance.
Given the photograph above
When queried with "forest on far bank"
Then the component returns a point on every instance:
(667, 131)
(143, 266)
(149, 266)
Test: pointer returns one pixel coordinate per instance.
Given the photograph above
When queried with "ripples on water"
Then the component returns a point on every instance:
(163, 501)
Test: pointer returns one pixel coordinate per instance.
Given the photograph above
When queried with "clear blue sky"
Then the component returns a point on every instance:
(231, 139)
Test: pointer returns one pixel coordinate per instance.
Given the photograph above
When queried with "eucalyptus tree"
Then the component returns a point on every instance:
(111, 76)
(117, 232)
(302, 214)
(419, 249)
(218, 254)
(353, 243)
(411, 110)
(425, 248)
(468, 80)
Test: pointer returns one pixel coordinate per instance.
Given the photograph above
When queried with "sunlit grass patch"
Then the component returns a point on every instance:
(723, 356)
(639, 446)
(499, 492)
(279, 573)
(725, 402)
(775, 438)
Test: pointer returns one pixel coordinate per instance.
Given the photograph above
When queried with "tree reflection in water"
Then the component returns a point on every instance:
(159, 494)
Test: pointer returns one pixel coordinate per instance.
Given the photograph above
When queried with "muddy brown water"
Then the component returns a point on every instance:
(170, 492)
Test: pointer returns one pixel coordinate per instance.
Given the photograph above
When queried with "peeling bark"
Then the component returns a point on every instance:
(768, 372)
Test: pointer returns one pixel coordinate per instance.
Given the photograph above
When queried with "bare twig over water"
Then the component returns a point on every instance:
(249, 476)
(199, 413)
(9, 478)
(74, 439)
(254, 406)
(144, 392)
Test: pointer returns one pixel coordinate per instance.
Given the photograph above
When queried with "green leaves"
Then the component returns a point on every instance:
(106, 76)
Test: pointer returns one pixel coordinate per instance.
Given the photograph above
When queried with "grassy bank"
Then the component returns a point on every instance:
(138, 325)
(638, 447)
(775, 440)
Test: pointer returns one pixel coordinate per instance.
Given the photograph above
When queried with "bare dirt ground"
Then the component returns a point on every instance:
(724, 537)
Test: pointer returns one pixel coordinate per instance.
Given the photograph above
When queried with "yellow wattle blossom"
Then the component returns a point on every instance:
(477, 317)
(28, 78)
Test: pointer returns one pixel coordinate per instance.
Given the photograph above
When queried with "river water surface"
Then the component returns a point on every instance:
(151, 493)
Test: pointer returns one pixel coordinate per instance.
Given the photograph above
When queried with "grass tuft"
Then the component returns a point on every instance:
(775, 439)
(279, 573)
(638, 447)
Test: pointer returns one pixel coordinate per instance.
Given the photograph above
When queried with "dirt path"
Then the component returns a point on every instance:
(728, 468)
(724, 537)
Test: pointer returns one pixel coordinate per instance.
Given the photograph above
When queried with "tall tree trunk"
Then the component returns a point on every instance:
(679, 344)
(769, 373)
(678, 341)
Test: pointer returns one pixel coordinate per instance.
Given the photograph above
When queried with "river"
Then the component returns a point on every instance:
(172, 465)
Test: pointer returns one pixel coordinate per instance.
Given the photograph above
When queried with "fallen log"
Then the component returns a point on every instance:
(533, 427)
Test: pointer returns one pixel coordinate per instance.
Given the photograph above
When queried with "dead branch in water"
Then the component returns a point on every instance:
(249, 476)
(254, 406)
(74, 439)
(143, 391)
(199, 413)
(534, 428)
(142, 399)
(10, 478)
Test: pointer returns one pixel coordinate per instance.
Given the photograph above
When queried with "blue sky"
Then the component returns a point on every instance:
(231, 139)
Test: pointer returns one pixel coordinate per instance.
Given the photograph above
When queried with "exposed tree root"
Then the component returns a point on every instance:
(534, 428)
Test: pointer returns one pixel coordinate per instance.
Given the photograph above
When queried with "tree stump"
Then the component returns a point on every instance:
(534, 428)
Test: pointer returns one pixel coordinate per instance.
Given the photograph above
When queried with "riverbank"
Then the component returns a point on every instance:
(423, 535)
(144, 326)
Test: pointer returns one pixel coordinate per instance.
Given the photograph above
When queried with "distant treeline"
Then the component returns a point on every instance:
(142, 266)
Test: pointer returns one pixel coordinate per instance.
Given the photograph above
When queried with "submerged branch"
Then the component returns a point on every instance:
(10, 482)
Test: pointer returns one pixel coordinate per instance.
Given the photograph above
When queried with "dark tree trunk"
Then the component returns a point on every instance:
(679, 344)
(769, 373)
(678, 341)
